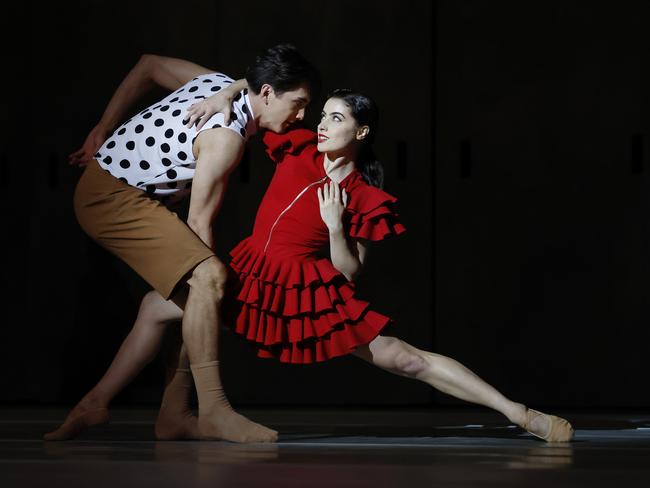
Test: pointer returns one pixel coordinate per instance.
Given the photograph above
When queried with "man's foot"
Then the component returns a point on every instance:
(217, 419)
(176, 426)
(228, 425)
(548, 427)
(84, 415)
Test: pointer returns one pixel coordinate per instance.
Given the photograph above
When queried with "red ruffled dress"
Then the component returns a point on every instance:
(294, 305)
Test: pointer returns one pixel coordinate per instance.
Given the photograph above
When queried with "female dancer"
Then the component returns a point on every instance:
(293, 305)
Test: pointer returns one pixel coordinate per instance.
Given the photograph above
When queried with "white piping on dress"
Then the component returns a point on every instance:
(268, 241)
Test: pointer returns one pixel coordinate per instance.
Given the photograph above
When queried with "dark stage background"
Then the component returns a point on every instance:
(526, 256)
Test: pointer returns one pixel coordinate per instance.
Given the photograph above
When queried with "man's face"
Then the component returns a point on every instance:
(283, 109)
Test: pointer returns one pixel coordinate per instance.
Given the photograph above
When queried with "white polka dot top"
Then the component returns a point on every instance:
(153, 150)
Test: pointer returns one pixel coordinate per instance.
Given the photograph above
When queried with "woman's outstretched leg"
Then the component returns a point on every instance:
(137, 350)
(451, 377)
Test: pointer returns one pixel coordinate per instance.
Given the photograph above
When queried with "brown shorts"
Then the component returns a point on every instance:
(139, 230)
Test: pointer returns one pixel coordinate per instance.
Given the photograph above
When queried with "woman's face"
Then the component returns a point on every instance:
(338, 131)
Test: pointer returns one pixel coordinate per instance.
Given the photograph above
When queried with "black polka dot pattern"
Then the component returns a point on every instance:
(154, 149)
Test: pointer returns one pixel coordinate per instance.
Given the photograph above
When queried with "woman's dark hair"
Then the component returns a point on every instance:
(284, 68)
(365, 112)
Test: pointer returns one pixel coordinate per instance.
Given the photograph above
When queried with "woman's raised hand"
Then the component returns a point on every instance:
(221, 102)
(332, 202)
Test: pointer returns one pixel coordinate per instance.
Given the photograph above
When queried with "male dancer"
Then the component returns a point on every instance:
(153, 160)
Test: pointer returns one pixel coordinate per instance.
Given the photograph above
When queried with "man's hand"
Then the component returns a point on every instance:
(91, 145)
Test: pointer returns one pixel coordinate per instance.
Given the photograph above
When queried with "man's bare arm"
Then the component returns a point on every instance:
(218, 152)
(149, 71)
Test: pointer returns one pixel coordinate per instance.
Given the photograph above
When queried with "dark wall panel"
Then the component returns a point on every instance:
(543, 282)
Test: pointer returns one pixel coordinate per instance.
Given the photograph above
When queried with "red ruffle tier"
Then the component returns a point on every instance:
(299, 310)
(375, 224)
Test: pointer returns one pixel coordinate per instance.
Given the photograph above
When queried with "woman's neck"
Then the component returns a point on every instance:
(337, 167)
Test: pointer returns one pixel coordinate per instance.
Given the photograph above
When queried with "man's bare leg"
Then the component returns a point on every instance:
(201, 321)
(137, 350)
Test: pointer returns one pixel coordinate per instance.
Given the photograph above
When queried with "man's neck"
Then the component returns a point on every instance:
(257, 104)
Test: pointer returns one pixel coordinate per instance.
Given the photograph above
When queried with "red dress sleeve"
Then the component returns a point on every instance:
(292, 142)
(372, 215)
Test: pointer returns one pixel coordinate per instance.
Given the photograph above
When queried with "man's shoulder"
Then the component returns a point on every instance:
(217, 138)
(214, 75)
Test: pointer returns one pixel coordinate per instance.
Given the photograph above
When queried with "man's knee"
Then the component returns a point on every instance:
(209, 276)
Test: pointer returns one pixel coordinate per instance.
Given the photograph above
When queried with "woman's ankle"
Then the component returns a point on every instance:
(516, 413)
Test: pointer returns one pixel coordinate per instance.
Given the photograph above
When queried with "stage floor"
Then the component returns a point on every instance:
(331, 448)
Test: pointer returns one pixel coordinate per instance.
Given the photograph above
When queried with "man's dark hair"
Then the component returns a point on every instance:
(284, 68)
